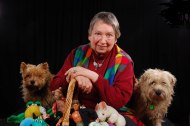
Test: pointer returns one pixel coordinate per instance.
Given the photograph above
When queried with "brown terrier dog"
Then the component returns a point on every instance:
(153, 95)
(35, 83)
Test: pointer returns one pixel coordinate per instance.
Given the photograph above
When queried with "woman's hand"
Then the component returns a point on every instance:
(80, 71)
(84, 83)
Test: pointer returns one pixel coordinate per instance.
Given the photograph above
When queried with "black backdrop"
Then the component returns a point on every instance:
(36, 31)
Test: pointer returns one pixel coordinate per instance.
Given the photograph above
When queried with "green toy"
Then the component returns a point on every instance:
(33, 110)
(16, 119)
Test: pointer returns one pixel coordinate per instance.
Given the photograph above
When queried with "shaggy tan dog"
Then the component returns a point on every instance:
(35, 83)
(153, 95)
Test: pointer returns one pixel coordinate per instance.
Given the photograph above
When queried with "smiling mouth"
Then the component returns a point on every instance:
(102, 47)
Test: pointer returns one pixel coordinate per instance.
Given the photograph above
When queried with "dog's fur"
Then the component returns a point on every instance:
(35, 83)
(155, 88)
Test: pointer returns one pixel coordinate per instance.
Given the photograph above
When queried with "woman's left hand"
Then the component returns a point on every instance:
(84, 84)
(81, 71)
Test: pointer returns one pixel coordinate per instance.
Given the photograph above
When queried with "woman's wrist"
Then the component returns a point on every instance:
(94, 77)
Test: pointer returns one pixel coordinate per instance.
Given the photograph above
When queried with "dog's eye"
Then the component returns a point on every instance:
(27, 76)
(39, 75)
(151, 83)
(102, 113)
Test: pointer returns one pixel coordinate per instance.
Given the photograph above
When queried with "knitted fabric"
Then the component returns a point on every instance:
(84, 52)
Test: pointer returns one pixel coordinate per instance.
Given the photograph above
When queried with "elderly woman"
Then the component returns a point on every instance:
(103, 71)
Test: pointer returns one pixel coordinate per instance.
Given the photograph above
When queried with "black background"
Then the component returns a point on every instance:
(36, 31)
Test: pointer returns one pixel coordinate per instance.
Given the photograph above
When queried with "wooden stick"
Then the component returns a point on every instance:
(67, 107)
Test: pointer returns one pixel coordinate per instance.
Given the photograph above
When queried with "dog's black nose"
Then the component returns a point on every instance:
(32, 82)
(158, 92)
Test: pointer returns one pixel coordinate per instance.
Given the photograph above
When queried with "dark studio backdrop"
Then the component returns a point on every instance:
(36, 31)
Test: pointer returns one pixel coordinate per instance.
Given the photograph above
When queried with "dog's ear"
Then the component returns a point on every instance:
(171, 77)
(145, 75)
(44, 66)
(136, 84)
(23, 67)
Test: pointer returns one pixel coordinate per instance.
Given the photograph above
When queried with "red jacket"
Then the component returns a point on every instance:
(116, 95)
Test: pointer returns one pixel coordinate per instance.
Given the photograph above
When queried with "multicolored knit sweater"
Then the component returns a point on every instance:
(83, 53)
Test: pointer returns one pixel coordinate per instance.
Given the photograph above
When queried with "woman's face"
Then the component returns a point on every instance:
(102, 38)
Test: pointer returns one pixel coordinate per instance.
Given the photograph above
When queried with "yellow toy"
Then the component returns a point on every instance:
(32, 110)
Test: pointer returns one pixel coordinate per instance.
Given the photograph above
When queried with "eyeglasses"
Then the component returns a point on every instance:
(108, 36)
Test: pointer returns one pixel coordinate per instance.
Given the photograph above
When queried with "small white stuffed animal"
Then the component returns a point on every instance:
(98, 124)
(109, 114)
